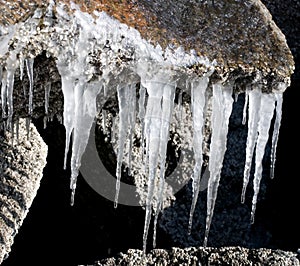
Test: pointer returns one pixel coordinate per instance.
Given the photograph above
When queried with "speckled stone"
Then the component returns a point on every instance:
(22, 161)
(234, 256)
(240, 35)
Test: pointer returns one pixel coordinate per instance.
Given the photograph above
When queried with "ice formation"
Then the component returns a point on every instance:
(80, 42)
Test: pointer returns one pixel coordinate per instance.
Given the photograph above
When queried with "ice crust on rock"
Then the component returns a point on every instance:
(88, 51)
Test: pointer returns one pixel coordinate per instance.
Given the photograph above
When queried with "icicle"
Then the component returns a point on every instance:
(253, 117)
(28, 120)
(21, 67)
(123, 127)
(236, 96)
(275, 136)
(45, 120)
(85, 112)
(152, 136)
(180, 108)
(131, 118)
(68, 85)
(154, 119)
(59, 118)
(113, 132)
(12, 133)
(104, 114)
(29, 66)
(141, 115)
(9, 92)
(245, 107)
(17, 129)
(166, 115)
(266, 113)
(221, 110)
(3, 93)
(1, 73)
(11, 65)
(47, 96)
(198, 89)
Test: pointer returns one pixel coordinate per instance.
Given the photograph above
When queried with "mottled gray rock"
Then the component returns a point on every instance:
(22, 161)
(230, 256)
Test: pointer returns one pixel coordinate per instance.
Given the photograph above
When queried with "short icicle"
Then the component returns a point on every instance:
(3, 93)
(198, 89)
(221, 110)
(1, 73)
(21, 67)
(29, 66)
(11, 66)
(47, 96)
(277, 123)
(245, 107)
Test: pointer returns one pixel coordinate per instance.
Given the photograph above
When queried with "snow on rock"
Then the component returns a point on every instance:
(97, 55)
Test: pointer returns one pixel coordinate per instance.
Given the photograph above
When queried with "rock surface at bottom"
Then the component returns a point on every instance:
(204, 256)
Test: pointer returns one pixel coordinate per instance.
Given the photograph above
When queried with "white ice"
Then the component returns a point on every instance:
(221, 110)
(168, 98)
(126, 100)
(277, 123)
(161, 93)
(29, 67)
(198, 89)
(47, 96)
(266, 112)
(253, 117)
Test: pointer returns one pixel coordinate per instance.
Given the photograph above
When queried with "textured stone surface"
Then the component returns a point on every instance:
(233, 256)
(221, 32)
(21, 169)
(15, 11)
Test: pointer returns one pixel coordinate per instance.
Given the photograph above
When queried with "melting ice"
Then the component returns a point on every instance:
(79, 43)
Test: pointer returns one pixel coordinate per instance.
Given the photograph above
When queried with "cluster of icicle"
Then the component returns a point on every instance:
(157, 73)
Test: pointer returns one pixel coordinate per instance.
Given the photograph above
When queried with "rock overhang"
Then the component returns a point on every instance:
(238, 38)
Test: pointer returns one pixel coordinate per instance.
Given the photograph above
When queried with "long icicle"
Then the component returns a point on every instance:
(131, 123)
(85, 112)
(266, 113)
(221, 110)
(141, 115)
(122, 92)
(253, 117)
(167, 107)
(152, 135)
(279, 100)
(68, 84)
(198, 89)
